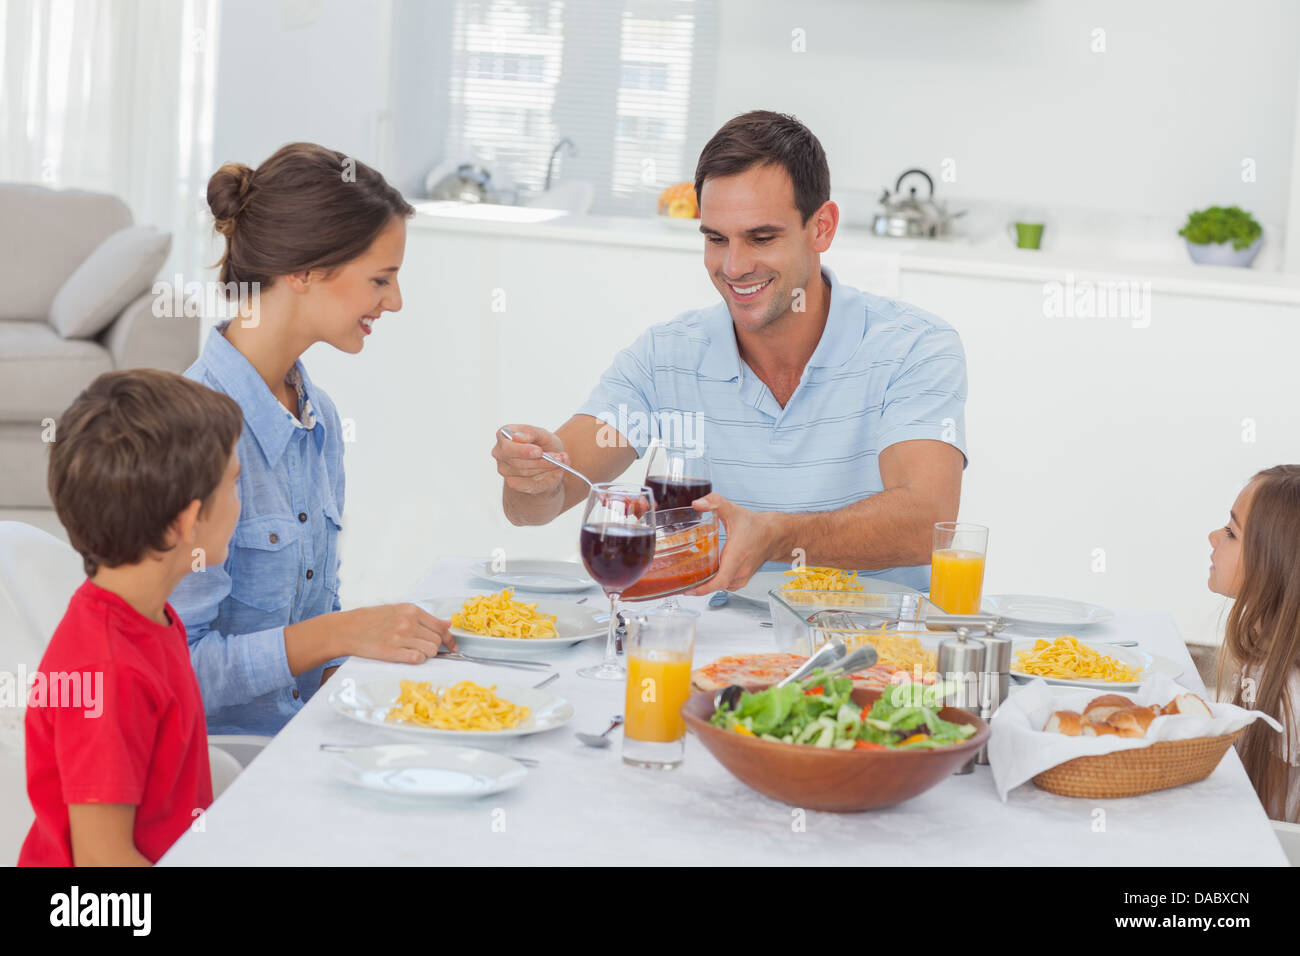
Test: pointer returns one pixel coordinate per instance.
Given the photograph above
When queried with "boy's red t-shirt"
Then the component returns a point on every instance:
(129, 729)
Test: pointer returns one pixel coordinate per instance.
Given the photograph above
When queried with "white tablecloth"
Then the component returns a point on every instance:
(584, 806)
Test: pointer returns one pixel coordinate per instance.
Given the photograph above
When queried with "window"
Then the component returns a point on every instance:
(628, 81)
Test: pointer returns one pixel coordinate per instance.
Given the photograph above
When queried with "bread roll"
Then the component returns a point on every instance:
(1189, 705)
(1132, 721)
(1065, 722)
(1100, 708)
(1097, 729)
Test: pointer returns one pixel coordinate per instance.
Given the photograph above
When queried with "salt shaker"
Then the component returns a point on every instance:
(960, 664)
(995, 680)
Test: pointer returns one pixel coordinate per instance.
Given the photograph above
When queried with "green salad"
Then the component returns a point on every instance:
(818, 712)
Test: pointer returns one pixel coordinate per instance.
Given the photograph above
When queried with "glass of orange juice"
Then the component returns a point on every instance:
(659, 648)
(957, 566)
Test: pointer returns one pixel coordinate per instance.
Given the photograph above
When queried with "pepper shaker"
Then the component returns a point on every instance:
(995, 681)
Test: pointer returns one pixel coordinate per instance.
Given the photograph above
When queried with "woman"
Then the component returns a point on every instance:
(1254, 562)
(318, 239)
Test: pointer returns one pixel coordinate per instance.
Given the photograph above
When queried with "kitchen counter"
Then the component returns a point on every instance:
(988, 258)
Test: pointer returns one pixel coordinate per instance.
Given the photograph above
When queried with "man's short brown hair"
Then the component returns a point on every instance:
(764, 138)
(130, 454)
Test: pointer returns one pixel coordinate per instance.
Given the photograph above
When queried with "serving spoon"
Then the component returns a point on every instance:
(833, 650)
(546, 456)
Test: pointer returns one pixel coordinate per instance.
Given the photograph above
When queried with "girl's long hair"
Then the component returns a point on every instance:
(1261, 642)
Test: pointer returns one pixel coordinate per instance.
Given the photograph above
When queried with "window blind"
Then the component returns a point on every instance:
(629, 82)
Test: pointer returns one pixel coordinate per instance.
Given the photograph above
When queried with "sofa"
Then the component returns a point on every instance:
(78, 279)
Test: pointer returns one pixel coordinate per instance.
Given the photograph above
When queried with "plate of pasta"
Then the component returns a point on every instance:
(811, 578)
(456, 710)
(501, 625)
(1068, 661)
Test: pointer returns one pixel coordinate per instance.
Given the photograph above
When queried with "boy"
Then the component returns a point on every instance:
(143, 477)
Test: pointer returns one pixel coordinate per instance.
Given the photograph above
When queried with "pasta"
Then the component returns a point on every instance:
(1067, 658)
(463, 706)
(499, 615)
(892, 648)
(810, 578)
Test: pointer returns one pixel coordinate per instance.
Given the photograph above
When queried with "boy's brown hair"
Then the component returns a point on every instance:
(765, 138)
(130, 454)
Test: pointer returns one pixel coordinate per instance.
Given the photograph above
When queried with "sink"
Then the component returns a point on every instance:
(573, 198)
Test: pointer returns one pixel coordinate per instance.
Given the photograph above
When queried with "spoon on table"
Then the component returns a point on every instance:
(831, 652)
(591, 740)
(546, 456)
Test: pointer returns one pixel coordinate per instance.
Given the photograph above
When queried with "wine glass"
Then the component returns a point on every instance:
(677, 473)
(617, 543)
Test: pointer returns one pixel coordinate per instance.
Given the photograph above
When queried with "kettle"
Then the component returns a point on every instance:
(467, 183)
(908, 217)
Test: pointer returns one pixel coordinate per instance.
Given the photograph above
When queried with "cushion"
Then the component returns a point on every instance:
(44, 235)
(40, 373)
(117, 272)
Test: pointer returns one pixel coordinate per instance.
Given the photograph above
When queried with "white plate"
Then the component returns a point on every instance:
(764, 581)
(435, 770)
(549, 577)
(371, 701)
(573, 623)
(1128, 656)
(1049, 612)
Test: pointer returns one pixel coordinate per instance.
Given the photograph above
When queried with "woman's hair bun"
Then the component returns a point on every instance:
(228, 191)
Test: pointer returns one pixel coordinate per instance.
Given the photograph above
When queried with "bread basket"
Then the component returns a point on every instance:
(1130, 773)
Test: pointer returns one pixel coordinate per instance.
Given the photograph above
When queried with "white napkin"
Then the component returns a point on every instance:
(1019, 749)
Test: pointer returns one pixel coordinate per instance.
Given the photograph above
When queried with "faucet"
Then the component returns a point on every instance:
(550, 163)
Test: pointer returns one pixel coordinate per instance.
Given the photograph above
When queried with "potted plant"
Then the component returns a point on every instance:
(1222, 236)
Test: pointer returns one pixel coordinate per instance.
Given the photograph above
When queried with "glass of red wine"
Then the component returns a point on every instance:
(617, 543)
(677, 473)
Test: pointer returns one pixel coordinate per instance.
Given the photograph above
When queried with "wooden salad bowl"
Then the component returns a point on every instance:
(840, 781)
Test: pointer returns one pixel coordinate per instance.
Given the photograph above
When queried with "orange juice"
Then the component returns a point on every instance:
(658, 683)
(957, 580)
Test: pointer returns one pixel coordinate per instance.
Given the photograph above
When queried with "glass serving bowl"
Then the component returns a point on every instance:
(686, 554)
(804, 620)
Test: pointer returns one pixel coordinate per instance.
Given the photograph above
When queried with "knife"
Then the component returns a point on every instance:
(495, 661)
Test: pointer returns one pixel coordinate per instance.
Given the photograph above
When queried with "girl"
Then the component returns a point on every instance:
(1254, 562)
(314, 240)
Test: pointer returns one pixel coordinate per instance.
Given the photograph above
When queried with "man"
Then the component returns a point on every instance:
(834, 419)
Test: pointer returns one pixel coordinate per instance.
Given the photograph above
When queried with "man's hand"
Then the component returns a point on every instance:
(752, 538)
(536, 491)
(520, 462)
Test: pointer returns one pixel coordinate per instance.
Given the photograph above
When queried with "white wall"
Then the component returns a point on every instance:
(1009, 89)
(1156, 125)
(311, 70)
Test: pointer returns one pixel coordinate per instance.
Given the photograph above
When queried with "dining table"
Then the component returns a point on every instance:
(580, 805)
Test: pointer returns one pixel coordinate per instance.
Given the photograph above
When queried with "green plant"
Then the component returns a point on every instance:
(1221, 224)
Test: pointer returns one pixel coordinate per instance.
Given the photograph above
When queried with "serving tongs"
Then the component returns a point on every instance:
(964, 625)
(833, 656)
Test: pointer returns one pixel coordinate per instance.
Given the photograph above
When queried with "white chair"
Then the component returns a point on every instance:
(225, 769)
(38, 575)
(1288, 834)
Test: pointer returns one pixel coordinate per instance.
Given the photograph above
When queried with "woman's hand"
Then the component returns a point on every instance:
(402, 633)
